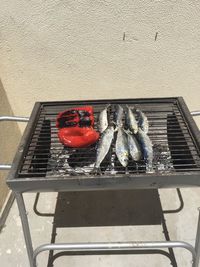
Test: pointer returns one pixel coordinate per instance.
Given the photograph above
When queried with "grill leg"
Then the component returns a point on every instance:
(25, 226)
(197, 244)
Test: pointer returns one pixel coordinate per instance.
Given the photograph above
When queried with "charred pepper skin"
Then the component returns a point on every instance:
(76, 127)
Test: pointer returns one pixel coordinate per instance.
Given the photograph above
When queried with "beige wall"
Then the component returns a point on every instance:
(9, 138)
(68, 49)
(60, 50)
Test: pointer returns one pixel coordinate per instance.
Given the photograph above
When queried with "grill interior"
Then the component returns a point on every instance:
(173, 144)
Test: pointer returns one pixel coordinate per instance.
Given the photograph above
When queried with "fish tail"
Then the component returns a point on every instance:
(127, 106)
(108, 105)
(134, 109)
(96, 171)
(116, 126)
(149, 168)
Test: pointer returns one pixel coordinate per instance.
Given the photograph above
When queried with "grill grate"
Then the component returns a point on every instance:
(175, 149)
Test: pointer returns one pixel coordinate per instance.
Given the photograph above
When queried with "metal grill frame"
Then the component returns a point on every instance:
(98, 248)
(125, 181)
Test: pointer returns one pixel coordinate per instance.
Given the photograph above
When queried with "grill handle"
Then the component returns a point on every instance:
(11, 118)
(195, 113)
(14, 118)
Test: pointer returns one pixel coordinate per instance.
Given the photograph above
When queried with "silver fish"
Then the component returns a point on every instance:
(121, 147)
(134, 147)
(104, 145)
(147, 148)
(132, 123)
(142, 121)
(119, 115)
(103, 119)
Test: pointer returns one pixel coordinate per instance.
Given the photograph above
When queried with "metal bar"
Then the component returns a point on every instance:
(5, 166)
(25, 226)
(181, 203)
(11, 118)
(139, 252)
(197, 244)
(53, 240)
(167, 237)
(6, 208)
(38, 212)
(117, 246)
(14, 118)
(195, 113)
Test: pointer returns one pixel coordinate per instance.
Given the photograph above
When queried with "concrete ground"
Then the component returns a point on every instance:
(181, 226)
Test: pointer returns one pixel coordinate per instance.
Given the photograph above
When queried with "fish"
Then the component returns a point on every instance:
(134, 147)
(104, 146)
(121, 147)
(103, 119)
(131, 120)
(142, 121)
(119, 115)
(147, 149)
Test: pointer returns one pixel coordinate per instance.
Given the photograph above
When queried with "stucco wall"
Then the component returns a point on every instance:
(58, 49)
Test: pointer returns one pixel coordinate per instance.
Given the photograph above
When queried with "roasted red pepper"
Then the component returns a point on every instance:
(82, 116)
(76, 127)
(78, 137)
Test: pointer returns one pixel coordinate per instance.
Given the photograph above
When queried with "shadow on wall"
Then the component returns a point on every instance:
(9, 139)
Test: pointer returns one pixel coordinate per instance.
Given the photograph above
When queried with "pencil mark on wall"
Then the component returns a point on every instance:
(124, 36)
(156, 36)
(128, 37)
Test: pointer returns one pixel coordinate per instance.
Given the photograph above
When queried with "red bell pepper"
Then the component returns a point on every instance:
(75, 117)
(76, 127)
(78, 137)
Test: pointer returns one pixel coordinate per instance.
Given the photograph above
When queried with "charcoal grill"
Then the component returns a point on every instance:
(42, 163)
(38, 167)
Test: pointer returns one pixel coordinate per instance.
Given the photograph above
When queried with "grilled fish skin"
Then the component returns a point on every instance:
(134, 147)
(131, 120)
(103, 119)
(104, 145)
(121, 147)
(147, 148)
(119, 115)
(142, 121)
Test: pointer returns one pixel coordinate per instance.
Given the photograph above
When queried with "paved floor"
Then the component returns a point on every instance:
(182, 226)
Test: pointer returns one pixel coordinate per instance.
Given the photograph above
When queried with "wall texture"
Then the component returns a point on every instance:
(65, 49)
